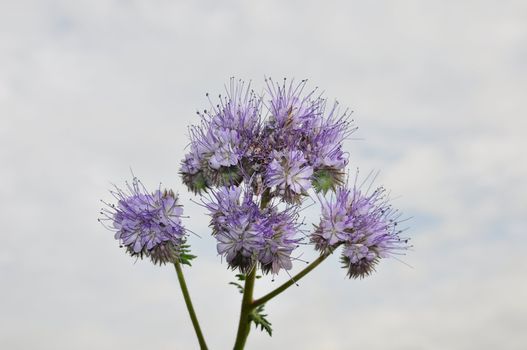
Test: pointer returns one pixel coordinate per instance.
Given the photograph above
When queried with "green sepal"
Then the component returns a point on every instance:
(200, 183)
(197, 183)
(325, 180)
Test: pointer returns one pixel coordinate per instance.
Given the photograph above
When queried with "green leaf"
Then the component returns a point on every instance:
(237, 285)
(185, 257)
(260, 319)
(241, 277)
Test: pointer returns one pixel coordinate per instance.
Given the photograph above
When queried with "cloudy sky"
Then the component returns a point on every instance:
(89, 89)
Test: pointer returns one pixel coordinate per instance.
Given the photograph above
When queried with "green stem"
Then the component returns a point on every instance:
(293, 280)
(192, 313)
(244, 326)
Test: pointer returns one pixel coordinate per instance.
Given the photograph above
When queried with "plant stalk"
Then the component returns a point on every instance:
(188, 302)
(244, 326)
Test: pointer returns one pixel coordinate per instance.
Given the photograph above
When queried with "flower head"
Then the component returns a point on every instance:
(365, 224)
(288, 144)
(147, 224)
(247, 234)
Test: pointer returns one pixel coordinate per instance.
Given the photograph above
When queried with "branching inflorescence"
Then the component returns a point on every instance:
(254, 159)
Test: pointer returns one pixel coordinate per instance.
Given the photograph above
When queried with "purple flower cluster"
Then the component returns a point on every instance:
(147, 224)
(248, 232)
(287, 144)
(365, 224)
(251, 150)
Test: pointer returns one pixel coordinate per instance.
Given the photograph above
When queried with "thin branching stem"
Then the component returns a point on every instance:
(292, 281)
(188, 302)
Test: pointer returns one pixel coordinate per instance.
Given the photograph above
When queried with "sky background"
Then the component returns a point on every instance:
(89, 89)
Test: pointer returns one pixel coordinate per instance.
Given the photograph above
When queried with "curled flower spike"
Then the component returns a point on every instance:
(289, 108)
(233, 216)
(147, 224)
(223, 140)
(247, 234)
(366, 226)
(279, 230)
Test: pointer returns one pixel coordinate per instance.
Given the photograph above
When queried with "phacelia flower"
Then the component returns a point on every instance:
(240, 242)
(147, 224)
(247, 234)
(325, 146)
(279, 230)
(233, 216)
(289, 109)
(366, 226)
(325, 151)
(290, 174)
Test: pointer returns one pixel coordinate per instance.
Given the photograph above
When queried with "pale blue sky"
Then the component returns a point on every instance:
(89, 89)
